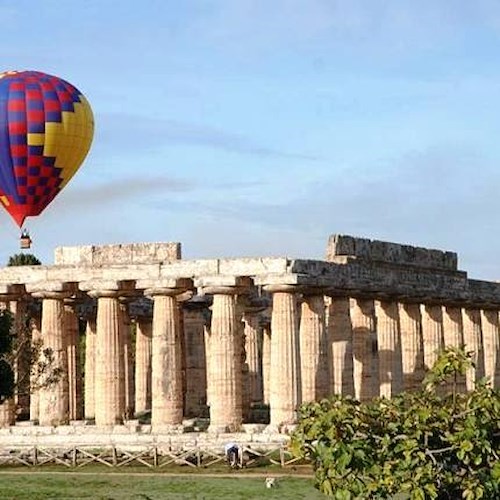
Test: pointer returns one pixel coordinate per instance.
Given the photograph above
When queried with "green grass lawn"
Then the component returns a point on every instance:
(33, 485)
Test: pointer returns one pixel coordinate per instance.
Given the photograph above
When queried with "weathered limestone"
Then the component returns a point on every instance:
(53, 397)
(285, 385)
(36, 342)
(166, 385)
(90, 368)
(453, 336)
(128, 367)
(71, 325)
(363, 329)
(266, 362)
(196, 318)
(253, 350)
(143, 364)
(341, 355)
(491, 345)
(389, 348)
(473, 342)
(432, 332)
(225, 369)
(109, 368)
(412, 349)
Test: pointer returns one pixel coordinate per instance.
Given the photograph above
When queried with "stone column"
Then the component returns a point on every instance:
(19, 311)
(253, 350)
(36, 342)
(225, 368)
(432, 332)
(453, 337)
(410, 323)
(196, 318)
(266, 362)
(109, 367)
(340, 336)
(166, 385)
(389, 348)
(54, 405)
(491, 345)
(90, 368)
(285, 385)
(128, 366)
(143, 364)
(71, 324)
(363, 328)
(473, 342)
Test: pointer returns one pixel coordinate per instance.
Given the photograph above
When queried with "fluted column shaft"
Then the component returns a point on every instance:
(36, 343)
(491, 345)
(54, 409)
(363, 327)
(73, 354)
(128, 367)
(473, 342)
(389, 348)
(432, 332)
(18, 308)
(253, 350)
(412, 349)
(224, 378)
(340, 336)
(285, 384)
(90, 368)
(166, 384)
(195, 319)
(143, 365)
(453, 336)
(109, 369)
(266, 363)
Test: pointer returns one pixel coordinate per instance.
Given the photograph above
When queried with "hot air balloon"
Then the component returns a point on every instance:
(46, 128)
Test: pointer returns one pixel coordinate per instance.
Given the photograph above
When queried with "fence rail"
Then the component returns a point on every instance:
(153, 457)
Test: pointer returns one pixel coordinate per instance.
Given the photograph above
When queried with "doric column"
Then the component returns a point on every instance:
(363, 328)
(389, 348)
(412, 349)
(71, 325)
(166, 375)
(143, 364)
(225, 367)
(453, 336)
(54, 402)
(491, 345)
(36, 343)
(253, 350)
(313, 341)
(19, 310)
(266, 362)
(109, 368)
(196, 318)
(285, 385)
(128, 366)
(340, 337)
(432, 332)
(473, 342)
(90, 367)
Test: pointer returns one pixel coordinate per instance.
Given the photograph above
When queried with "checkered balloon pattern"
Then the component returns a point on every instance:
(46, 128)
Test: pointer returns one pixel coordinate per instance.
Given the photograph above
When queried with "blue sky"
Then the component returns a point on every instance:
(249, 127)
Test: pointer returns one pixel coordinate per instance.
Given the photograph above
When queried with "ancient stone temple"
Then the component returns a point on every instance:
(139, 332)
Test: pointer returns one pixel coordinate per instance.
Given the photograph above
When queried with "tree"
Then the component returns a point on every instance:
(423, 444)
(23, 259)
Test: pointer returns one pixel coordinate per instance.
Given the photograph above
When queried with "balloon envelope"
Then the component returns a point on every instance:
(46, 128)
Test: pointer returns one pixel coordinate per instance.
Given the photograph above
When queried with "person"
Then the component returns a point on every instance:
(231, 450)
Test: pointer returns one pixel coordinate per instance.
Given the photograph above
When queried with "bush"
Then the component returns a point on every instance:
(422, 444)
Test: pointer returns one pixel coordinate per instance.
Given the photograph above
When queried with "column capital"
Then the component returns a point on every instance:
(278, 288)
(10, 291)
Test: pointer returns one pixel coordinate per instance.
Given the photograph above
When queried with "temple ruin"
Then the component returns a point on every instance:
(241, 341)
